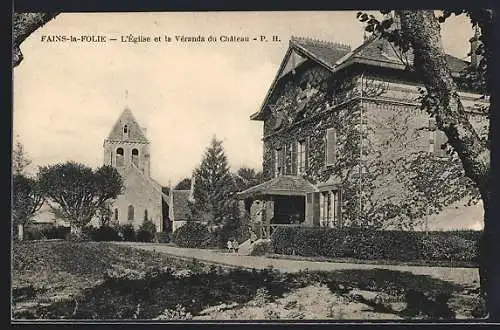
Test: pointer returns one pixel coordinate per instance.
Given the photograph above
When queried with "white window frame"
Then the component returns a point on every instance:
(301, 156)
(328, 208)
(277, 169)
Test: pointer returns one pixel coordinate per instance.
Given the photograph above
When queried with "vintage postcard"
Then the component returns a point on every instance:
(250, 166)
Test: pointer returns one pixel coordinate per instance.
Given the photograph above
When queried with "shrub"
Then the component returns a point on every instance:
(261, 247)
(163, 237)
(192, 235)
(104, 234)
(32, 233)
(35, 232)
(146, 231)
(368, 244)
(127, 233)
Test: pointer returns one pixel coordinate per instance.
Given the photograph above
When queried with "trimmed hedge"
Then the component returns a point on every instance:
(192, 235)
(127, 233)
(36, 232)
(371, 244)
(103, 234)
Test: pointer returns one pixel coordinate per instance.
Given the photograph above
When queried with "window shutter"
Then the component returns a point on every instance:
(286, 164)
(315, 217)
(441, 139)
(330, 146)
(294, 158)
(280, 159)
(306, 156)
(309, 209)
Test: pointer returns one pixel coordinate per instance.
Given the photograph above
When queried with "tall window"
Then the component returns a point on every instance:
(289, 158)
(135, 157)
(130, 216)
(301, 156)
(119, 157)
(328, 201)
(278, 162)
(331, 146)
(116, 214)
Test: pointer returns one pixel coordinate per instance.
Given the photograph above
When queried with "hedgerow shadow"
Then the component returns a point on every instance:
(150, 296)
(424, 296)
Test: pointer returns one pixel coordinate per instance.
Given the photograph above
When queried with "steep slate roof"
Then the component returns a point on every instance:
(324, 51)
(180, 204)
(334, 56)
(373, 50)
(136, 134)
(286, 185)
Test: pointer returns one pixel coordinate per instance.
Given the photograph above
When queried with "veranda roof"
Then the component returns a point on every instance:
(285, 185)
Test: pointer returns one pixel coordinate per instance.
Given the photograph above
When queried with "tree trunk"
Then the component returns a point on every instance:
(20, 232)
(76, 232)
(422, 30)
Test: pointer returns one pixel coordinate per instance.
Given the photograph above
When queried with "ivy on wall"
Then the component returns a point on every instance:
(399, 182)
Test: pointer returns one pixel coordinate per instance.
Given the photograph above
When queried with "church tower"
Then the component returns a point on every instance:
(127, 145)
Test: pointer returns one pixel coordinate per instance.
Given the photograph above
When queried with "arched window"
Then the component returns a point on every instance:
(130, 216)
(135, 157)
(119, 157)
(146, 215)
(116, 214)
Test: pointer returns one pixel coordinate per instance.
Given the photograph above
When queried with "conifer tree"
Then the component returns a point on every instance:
(214, 190)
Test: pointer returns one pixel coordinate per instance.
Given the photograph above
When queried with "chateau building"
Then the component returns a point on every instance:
(346, 143)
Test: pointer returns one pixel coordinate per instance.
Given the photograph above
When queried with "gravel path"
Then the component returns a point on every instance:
(464, 276)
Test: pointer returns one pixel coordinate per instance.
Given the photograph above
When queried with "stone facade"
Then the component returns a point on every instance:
(361, 128)
(127, 149)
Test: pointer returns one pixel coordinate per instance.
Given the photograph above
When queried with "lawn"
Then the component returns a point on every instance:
(97, 280)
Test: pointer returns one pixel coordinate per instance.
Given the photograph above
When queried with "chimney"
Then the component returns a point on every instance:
(396, 20)
(145, 130)
(365, 35)
(191, 190)
(474, 45)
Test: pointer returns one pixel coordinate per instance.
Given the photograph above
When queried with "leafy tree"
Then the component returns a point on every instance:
(214, 191)
(247, 177)
(79, 191)
(104, 213)
(23, 25)
(184, 184)
(27, 199)
(20, 160)
(418, 33)
(165, 190)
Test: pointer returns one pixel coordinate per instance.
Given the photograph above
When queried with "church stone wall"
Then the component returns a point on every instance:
(142, 196)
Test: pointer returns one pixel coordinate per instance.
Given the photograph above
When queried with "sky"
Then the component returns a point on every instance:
(67, 96)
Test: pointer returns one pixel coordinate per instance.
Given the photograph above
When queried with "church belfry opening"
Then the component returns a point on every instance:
(135, 157)
(119, 157)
